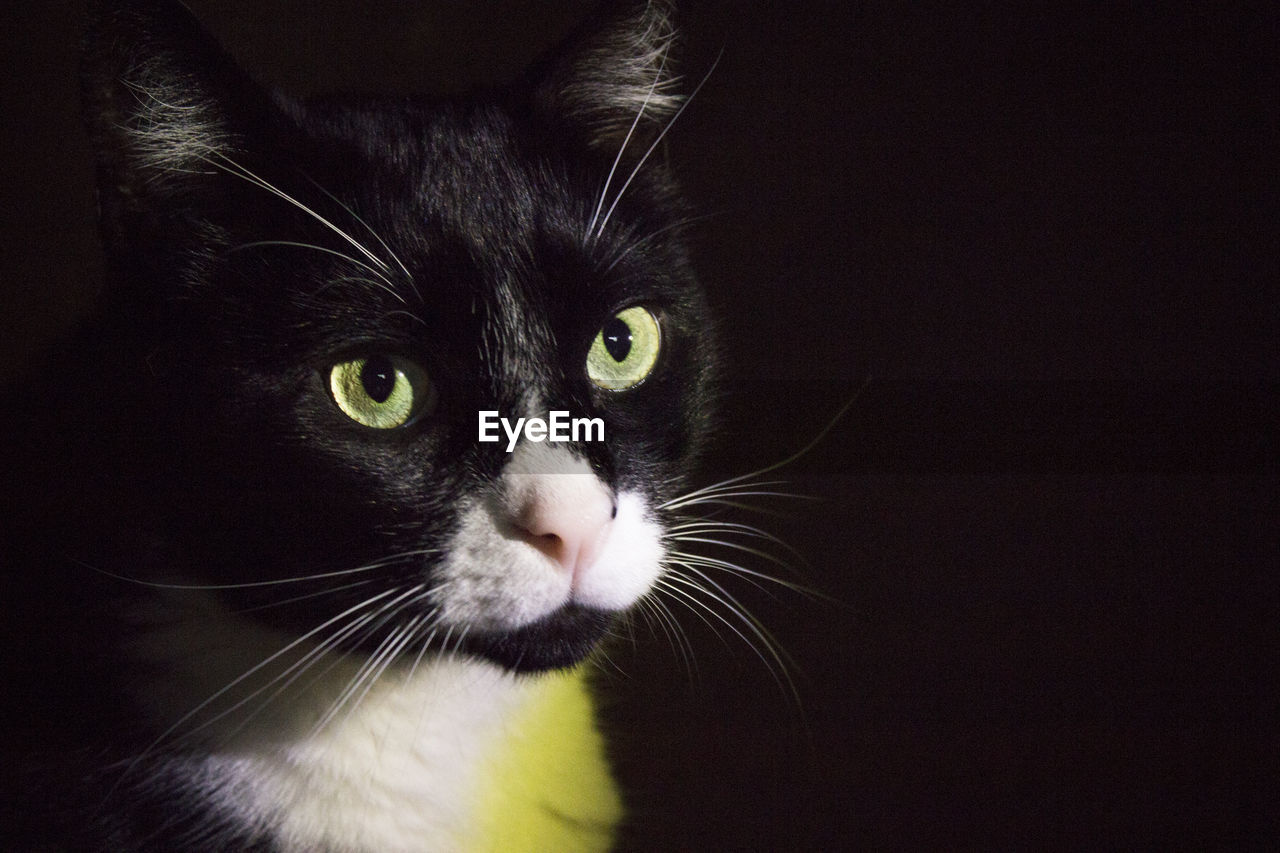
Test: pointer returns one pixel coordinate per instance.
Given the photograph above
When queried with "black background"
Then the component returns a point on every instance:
(1042, 242)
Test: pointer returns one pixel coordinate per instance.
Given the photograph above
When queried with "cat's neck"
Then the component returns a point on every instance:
(400, 770)
(448, 753)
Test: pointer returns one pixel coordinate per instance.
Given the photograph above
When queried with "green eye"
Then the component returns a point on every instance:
(625, 350)
(381, 391)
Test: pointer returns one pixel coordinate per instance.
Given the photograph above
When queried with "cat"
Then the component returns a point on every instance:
(266, 589)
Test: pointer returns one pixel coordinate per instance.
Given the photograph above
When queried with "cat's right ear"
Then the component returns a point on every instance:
(157, 92)
(615, 77)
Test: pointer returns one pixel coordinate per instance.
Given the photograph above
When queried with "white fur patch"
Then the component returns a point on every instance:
(395, 770)
(495, 580)
(398, 775)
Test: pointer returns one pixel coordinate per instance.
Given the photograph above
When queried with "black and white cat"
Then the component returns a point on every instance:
(265, 588)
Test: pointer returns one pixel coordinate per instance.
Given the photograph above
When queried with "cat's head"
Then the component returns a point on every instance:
(310, 304)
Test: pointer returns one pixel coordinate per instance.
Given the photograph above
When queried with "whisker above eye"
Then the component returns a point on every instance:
(386, 283)
(653, 236)
(368, 228)
(233, 168)
(636, 170)
(604, 191)
(351, 279)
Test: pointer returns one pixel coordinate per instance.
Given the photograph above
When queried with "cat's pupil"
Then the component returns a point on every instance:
(617, 339)
(378, 376)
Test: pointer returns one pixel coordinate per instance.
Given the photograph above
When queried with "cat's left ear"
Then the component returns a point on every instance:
(614, 77)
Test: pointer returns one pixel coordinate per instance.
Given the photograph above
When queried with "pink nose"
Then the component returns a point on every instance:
(568, 524)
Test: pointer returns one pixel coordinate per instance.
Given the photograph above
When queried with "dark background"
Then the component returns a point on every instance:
(1042, 242)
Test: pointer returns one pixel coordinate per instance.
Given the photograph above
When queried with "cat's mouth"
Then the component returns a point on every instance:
(564, 637)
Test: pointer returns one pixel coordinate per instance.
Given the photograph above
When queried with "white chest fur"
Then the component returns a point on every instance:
(400, 772)
(394, 767)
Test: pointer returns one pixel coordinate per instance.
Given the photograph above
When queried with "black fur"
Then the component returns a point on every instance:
(188, 426)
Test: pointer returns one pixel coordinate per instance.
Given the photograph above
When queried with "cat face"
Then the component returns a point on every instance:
(311, 303)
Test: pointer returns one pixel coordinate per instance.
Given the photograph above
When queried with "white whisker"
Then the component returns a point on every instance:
(675, 635)
(251, 584)
(749, 574)
(654, 145)
(381, 563)
(426, 643)
(163, 736)
(289, 675)
(387, 612)
(719, 593)
(385, 285)
(722, 498)
(703, 525)
(368, 228)
(373, 668)
(651, 237)
(684, 499)
(775, 661)
(604, 191)
(296, 598)
(734, 546)
(240, 171)
(351, 279)
(406, 635)
(674, 586)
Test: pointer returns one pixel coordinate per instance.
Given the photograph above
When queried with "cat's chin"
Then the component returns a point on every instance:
(562, 638)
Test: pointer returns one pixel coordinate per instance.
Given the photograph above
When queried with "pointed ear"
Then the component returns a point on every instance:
(157, 92)
(615, 73)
